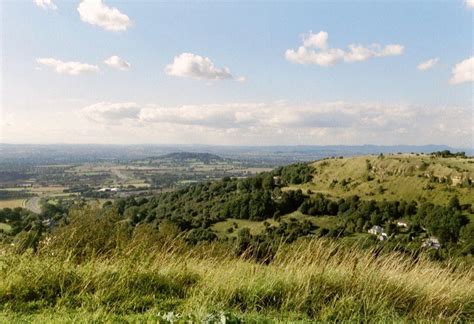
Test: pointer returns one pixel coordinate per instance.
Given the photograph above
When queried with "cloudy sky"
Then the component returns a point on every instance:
(262, 73)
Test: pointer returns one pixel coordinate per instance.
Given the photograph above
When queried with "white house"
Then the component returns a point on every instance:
(115, 189)
(402, 224)
(431, 243)
(376, 230)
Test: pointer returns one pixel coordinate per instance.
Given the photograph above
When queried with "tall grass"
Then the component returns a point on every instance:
(148, 273)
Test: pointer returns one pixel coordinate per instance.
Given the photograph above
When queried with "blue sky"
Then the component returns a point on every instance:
(379, 98)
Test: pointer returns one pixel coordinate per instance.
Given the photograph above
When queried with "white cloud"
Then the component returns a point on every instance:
(111, 113)
(71, 68)
(117, 63)
(319, 40)
(315, 50)
(46, 4)
(283, 122)
(463, 71)
(97, 13)
(469, 3)
(188, 65)
(428, 64)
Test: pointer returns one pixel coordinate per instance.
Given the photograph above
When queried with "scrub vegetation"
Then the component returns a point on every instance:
(299, 243)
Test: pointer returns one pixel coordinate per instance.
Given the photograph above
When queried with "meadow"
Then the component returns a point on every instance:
(105, 274)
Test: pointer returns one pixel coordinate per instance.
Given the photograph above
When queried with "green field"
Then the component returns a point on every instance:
(5, 227)
(255, 227)
(328, 222)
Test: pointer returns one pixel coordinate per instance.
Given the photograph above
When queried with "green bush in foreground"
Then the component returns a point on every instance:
(151, 276)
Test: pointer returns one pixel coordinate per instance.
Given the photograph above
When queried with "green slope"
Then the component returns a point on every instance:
(400, 176)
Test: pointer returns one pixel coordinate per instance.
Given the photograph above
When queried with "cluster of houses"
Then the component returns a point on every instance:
(378, 230)
(429, 243)
(109, 189)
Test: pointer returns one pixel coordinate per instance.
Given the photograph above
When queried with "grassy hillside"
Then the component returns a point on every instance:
(255, 249)
(396, 177)
(151, 274)
(401, 176)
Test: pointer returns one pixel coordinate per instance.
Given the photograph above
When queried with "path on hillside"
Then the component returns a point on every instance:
(33, 204)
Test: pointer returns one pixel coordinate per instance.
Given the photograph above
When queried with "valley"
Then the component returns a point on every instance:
(195, 235)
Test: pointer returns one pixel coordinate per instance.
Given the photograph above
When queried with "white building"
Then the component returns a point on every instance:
(376, 230)
(431, 243)
(402, 224)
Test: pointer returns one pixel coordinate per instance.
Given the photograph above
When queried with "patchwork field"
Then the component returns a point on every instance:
(27, 185)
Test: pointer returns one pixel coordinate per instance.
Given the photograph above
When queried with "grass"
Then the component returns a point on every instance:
(328, 222)
(12, 203)
(255, 227)
(311, 280)
(401, 175)
(47, 189)
(5, 227)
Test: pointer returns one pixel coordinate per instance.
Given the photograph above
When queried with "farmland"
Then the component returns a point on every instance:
(28, 186)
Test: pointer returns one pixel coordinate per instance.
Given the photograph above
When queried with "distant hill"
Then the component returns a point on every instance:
(28, 154)
(420, 177)
(184, 156)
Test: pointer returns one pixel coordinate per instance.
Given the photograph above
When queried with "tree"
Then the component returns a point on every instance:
(268, 183)
(454, 203)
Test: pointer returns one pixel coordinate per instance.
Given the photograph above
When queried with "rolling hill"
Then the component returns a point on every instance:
(185, 156)
(416, 177)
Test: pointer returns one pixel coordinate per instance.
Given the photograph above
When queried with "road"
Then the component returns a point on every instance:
(33, 204)
(121, 175)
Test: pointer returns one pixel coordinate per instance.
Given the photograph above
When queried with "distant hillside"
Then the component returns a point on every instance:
(28, 154)
(184, 156)
(419, 177)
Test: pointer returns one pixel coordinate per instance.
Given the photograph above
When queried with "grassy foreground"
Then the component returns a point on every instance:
(309, 280)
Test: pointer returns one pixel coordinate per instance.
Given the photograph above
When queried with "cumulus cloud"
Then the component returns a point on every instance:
(71, 68)
(45, 4)
(316, 50)
(97, 13)
(469, 3)
(188, 65)
(117, 63)
(429, 64)
(283, 122)
(319, 40)
(463, 71)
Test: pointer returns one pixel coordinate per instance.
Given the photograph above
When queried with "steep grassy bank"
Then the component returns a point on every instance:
(308, 280)
(417, 177)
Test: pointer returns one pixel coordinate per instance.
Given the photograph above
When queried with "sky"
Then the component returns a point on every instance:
(237, 73)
